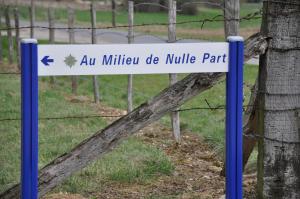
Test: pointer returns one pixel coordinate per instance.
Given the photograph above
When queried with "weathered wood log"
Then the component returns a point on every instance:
(279, 102)
(104, 141)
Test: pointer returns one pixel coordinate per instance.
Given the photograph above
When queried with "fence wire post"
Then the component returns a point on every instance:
(17, 26)
(130, 40)
(234, 117)
(32, 17)
(29, 145)
(1, 48)
(9, 35)
(51, 19)
(71, 19)
(94, 41)
(173, 77)
(114, 11)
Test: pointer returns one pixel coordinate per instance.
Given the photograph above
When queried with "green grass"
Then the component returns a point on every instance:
(140, 18)
(132, 161)
(5, 49)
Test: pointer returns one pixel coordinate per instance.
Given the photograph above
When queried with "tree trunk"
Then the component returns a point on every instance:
(279, 104)
(104, 141)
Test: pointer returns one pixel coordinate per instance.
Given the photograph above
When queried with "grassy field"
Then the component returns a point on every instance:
(131, 160)
(105, 17)
(58, 136)
(187, 30)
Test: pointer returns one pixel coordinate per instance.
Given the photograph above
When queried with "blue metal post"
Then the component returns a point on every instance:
(234, 111)
(231, 122)
(239, 136)
(29, 145)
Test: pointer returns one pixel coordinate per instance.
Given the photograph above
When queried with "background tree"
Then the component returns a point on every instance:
(279, 102)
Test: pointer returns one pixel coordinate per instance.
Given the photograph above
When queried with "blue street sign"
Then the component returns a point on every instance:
(132, 59)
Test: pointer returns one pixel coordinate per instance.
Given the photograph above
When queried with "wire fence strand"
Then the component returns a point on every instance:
(217, 18)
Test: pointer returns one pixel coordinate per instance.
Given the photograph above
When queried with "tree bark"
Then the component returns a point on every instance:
(279, 104)
(105, 140)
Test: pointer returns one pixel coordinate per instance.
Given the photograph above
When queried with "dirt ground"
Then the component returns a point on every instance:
(196, 173)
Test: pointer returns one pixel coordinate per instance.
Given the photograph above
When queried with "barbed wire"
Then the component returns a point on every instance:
(281, 2)
(10, 73)
(208, 107)
(258, 136)
(66, 117)
(217, 18)
(253, 135)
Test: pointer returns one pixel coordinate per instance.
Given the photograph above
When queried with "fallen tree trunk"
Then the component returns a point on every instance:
(105, 140)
